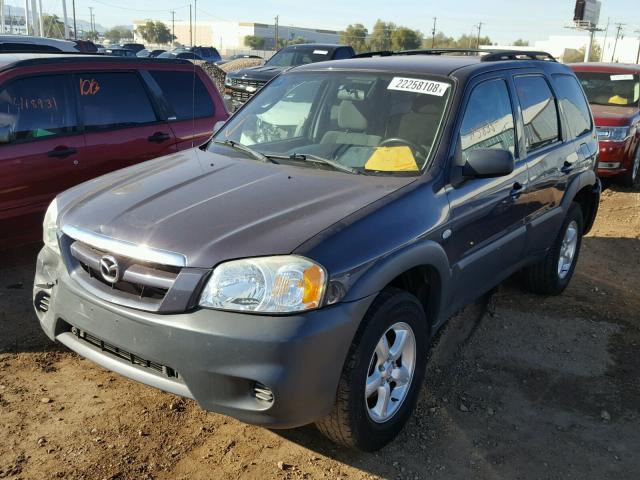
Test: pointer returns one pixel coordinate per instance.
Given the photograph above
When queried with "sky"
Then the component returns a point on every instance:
(503, 20)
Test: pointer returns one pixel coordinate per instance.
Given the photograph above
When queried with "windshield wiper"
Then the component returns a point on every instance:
(306, 157)
(243, 148)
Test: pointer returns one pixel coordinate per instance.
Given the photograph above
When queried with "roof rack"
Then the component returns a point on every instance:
(485, 55)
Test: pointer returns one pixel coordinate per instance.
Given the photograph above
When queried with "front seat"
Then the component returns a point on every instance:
(353, 128)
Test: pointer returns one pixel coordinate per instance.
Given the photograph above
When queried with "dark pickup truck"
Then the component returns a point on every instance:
(295, 268)
(240, 86)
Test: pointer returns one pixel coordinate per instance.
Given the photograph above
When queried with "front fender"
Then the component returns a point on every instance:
(384, 270)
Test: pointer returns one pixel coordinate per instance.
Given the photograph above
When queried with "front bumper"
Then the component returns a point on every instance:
(615, 158)
(219, 357)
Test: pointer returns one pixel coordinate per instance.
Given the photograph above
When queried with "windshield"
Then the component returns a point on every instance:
(616, 89)
(294, 56)
(367, 122)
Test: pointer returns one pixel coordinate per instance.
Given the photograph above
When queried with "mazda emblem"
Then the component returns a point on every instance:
(109, 269)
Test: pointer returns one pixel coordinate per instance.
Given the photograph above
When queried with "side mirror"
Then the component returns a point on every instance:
(6, 134)
(218, 125)
(488, 163)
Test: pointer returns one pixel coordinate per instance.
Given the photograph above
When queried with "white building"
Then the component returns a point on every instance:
(229, 37)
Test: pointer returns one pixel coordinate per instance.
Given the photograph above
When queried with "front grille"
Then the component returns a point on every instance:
(239, 93)
(124, 355)
(136, 280)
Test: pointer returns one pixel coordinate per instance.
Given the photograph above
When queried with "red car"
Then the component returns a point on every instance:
(613, 90)
(65, 119)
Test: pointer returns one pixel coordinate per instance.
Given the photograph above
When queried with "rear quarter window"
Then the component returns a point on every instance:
(186, 94)
(574, 105)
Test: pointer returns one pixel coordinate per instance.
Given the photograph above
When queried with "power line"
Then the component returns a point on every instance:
(479, 27)
(433, 32)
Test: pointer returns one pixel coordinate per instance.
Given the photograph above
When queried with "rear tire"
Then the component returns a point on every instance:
(360, 417)
(630, 177)
(552, 275)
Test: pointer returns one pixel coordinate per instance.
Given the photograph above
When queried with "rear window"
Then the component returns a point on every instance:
(8, 47)
(575, 107)
(539, 110)
(109, 100)
(37, 107)
(186, 94)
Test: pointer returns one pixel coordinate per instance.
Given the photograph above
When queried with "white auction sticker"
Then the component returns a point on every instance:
(621, 77)
(428, 87)
(320, 52)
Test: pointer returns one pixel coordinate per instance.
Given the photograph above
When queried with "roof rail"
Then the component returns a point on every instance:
(485, 55)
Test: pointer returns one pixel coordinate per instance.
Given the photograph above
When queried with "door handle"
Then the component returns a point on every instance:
(567, 167)
(517, 190)
(61, 152)
(159, 137)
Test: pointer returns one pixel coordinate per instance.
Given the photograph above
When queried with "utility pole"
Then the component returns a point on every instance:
(615, 45)
(277, 40)
(91, 18)
(479, 27)
(173, 27)
(195, 21)
(638, 56)
(2, 16)
(433, 32)
(66, 20)
(34, 18)
(190, 26)
(604, 42)
(40, 18)
(75, 30)
(26, 15)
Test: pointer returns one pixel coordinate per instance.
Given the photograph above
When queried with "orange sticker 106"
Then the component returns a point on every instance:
(89, 86)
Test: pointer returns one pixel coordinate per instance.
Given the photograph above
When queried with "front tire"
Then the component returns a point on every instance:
(552, 275)
(383, 374)
(630, 177)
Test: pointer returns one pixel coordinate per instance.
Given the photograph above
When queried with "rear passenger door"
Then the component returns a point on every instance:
(192, 113)
(488, 232)
(41, 153)
(550, 159)
(122, 124)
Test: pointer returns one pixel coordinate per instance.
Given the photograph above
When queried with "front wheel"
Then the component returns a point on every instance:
(382, 375)
(630, 177)
(552, 274)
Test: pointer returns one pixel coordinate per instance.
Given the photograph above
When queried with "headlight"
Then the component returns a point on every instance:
(281, 284)
(50, 227)
(227, 81)
(613, 134)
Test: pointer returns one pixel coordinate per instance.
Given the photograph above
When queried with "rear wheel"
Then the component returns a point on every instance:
(630, 177)
(552, 274)
(382, 375)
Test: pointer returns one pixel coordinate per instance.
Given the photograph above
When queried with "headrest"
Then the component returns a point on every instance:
(350, 118)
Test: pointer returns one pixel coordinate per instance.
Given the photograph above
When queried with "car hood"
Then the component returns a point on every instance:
(212, 208)
(611, 116)
(262, 73)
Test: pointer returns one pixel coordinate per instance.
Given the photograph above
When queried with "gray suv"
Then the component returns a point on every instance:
(294, 269)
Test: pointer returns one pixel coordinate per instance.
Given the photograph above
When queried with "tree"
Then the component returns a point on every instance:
(403, 38)
(118, 33)
(155, 33)
(521, 43)
(53, 27)
(356, 36)
(90, 35)
(380, 38)
(254, 42)
(297, 41)
(571, 55)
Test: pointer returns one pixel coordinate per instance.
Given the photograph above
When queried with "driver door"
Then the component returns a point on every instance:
(488, 216)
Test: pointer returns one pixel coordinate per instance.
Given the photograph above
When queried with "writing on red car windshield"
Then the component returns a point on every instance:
(89, 86)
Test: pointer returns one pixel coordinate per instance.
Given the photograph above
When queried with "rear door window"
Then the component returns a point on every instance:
(113, 100)
(488, 120)
(539, 111)
(38, 107)
(186, 94)
(574, 105)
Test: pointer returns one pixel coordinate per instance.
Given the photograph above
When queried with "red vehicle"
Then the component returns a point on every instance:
(613, 90)
(65, 119)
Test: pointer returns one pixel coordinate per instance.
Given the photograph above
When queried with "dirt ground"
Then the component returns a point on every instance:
(519, 387)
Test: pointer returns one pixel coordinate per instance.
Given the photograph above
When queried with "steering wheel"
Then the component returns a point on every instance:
(422, 151)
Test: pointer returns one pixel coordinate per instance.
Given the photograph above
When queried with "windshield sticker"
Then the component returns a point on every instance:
(621, 77)
(320, 52)
(427, 87)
